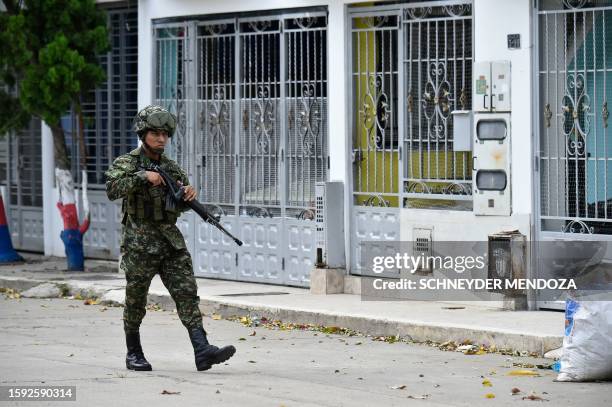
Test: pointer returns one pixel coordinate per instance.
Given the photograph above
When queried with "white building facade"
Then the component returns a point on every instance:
(444, 120)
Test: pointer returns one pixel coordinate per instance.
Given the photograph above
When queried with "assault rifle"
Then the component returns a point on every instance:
(175, 195)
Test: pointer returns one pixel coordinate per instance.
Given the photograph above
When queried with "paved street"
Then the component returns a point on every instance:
(65, 342)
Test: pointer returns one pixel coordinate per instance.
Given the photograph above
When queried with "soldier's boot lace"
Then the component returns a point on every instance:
(206, 354)
(135, 359)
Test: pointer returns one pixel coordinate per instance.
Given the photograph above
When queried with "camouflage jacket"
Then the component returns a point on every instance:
(124, 180)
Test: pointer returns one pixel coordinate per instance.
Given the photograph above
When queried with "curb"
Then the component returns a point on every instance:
(416, 332)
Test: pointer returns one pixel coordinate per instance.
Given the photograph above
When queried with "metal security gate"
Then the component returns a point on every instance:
(411, 66)
(24, 188)
(575, 76)
(254, 91)
(574, 150)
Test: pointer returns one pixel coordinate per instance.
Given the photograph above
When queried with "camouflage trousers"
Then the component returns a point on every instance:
(176, 271)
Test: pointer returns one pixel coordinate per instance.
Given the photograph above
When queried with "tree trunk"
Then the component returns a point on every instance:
(62, 160)
(83, 161)
(71, 235)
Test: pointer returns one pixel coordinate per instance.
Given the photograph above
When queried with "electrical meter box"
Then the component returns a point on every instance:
(492, 86)
(491, 164)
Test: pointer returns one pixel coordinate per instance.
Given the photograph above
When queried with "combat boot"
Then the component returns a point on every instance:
(206, 354)
(135, 359)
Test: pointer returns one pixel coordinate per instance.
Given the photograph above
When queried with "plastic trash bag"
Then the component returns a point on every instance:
(587, 345)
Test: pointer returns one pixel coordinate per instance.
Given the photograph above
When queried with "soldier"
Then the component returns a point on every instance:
(151, 243)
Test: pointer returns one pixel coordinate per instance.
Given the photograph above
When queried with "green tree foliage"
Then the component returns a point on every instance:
(48, 60)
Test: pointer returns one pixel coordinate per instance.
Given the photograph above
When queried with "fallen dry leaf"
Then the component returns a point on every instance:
(170, 392)
(467, 349)
(523, 373)
(422, 397)
(399, 387)
(534, 397)
(11, 293)
(515, 390)
(523, 365)
(490, 395)
(216, 317)
(253, 333)
(90, 301)
(487, 383)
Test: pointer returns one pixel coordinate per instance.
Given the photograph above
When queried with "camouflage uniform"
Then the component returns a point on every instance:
(151, 243)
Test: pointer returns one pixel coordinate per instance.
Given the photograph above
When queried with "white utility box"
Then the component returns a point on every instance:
(491, 86)
(462, 130)
(330, 223)
(491, 164)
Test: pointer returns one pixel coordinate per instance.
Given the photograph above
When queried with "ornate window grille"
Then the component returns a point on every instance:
(411, 67)
(575, 78)
(254, 92)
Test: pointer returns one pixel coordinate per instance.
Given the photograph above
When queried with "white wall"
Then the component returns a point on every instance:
(493, 20)
(52, 221)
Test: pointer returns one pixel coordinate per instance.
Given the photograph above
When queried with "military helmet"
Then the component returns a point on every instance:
(154, 117)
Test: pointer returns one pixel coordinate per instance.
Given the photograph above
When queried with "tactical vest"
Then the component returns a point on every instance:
(148, 202)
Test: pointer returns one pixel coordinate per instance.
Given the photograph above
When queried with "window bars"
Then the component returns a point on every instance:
(259, 108)
(108, 110)
(411, 67)
(575, 78)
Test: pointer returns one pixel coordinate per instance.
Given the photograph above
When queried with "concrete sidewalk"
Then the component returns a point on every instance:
(535, 332)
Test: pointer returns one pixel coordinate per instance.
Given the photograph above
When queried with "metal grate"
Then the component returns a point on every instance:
(320, 214)
(25, 184)
(216, 58)
(575, 78)
(306, 95)
(260, 133)
(109, 109)
(260, 110)
(438, 70)
(171, 50)
(411, 67)
(4, 158)
(422, 246)
(375, 108)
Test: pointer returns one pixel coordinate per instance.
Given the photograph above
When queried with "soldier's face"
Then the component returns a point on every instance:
(157, 139)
